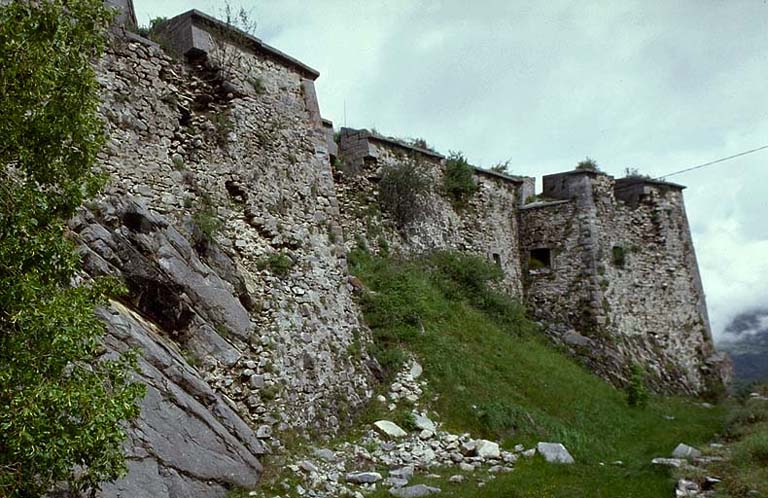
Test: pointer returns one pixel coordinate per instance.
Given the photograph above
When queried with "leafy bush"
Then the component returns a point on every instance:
(63, 402)
(404, 193)
(635, 173)
(459, 182)
(406, 420)
(462, 275)
(501, 167)
(277, 263)
(588, 164)
(637, 392)
(205, 224)
(227, 57)
(421, 143)
(472, 278)
(146, 31)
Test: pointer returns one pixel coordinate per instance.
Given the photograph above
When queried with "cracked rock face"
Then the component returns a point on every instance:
(188, 441)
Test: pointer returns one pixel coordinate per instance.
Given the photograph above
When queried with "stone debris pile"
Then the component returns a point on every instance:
(379, 460)
(693, 462)
(389, 456)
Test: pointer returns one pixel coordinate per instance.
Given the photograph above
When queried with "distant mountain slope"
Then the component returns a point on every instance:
(746, 339)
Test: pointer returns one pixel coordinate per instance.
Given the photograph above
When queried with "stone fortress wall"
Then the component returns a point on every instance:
(230, 215)
(221, 217)
(487, 226)
(620, 283)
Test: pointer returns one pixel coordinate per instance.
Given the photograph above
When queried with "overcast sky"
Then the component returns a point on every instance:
(656, 85)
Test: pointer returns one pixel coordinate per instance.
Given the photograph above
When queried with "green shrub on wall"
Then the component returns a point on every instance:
(588, 164)
(459, 182)
(404, 192)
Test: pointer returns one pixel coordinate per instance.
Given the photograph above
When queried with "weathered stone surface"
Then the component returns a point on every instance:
(402, 472)
(211, 210)
(188, 442)
(413, 491)
(424, 423)
(683, 451)
(487, 449)
(554, 453)
(363, 477)
(669, 462)
(390, 429)
(573, 338)
(324, 454)
(394, 482)
(416, 370)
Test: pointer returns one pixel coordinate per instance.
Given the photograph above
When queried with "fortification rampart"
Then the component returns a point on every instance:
(620, 277)
(485, 226)
(230, 215)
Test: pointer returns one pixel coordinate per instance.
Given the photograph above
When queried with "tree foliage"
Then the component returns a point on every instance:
(588, 164)
(61, 399)
(459, 182)
(404, 192)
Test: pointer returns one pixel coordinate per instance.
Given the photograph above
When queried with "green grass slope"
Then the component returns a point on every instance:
(495, 376)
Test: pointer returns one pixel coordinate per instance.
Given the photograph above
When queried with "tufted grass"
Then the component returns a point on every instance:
(496, 377)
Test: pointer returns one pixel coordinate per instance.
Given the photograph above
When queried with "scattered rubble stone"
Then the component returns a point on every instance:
(554, 453)
(413, 491)
(684, 451)
(363, 477)
(390, 429)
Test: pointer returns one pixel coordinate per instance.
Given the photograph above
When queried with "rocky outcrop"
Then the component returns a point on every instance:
(190, 440)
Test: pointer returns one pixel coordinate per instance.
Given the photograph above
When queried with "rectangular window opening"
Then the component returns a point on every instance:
(497, 259)
(619, 256)
(540, 258)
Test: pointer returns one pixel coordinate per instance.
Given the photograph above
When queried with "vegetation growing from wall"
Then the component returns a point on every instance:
(277, 263)
(501, 167)
(62, 401)
(635, 173)
(404, 192)
(146, 31)
(229, 59)
(459, 182)
(588, 164)
(494, 376)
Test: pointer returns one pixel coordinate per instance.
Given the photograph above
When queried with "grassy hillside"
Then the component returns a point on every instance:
(745, 471)
(495, 376)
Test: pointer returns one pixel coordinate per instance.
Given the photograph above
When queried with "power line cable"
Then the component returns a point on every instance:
(699, 166)
(710, 163)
